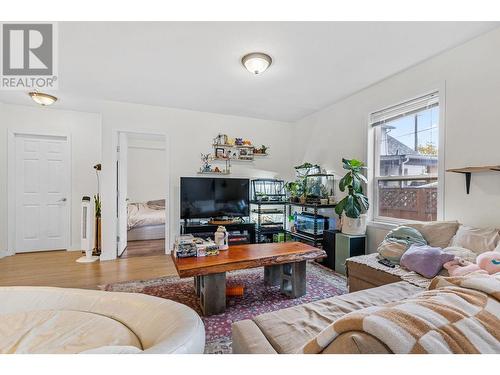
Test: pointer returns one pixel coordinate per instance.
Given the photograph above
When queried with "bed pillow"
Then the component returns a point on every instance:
(157, 204)
(437, 233)
(425, 260)
(462, 253)
(397, 241)
(479, 240)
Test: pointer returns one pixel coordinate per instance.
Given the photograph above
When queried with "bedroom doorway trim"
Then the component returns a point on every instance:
(116, 134)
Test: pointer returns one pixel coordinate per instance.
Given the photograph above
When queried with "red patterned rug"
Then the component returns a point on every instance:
(258, 298)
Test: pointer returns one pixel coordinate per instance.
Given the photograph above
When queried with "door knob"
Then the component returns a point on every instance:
(62, 200)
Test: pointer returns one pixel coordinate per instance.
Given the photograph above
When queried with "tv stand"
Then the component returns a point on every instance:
(206, 230)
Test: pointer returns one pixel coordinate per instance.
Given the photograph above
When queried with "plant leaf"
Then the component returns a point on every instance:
(363, 201)
(345, 181)
(340, 206)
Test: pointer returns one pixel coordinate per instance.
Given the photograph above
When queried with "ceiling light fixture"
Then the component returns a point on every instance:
(256, 62)
(42, 98)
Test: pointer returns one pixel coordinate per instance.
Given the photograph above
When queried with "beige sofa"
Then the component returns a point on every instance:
(370, 284)
(285, 331)
(59, 320)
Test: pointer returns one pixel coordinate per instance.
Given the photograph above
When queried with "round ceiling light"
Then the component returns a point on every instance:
(42, 98)
(256, 62)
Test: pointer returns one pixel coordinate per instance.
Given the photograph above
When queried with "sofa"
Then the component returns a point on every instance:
(285, 331)
(364, 272)
(370, 285)
(59, 320)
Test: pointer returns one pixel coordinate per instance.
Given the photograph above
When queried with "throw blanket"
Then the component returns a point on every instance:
(456, 315)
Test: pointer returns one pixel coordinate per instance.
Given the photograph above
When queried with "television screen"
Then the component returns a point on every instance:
(203, 198)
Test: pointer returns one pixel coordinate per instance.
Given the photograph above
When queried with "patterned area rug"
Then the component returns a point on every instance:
(258, 298)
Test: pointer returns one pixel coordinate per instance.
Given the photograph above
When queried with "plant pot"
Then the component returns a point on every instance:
(303, 200)
(354, 227)
(323, 201)
(331, 199)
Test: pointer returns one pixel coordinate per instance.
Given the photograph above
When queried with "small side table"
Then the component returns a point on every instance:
(347, 246)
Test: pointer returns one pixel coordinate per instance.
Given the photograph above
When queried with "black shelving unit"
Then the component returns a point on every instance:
(315, 238)
(271, 208)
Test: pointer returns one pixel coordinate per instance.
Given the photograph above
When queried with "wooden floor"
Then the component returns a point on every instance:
(142, 248)
(58, 268)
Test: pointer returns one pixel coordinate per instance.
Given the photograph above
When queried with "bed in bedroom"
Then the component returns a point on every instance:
(146, 221)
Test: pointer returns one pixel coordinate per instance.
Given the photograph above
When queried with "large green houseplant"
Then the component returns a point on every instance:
(352, 208)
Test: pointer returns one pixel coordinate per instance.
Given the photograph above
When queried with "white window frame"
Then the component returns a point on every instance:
(373, 166)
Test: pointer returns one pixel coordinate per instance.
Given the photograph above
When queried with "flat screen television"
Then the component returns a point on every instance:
(203, 198)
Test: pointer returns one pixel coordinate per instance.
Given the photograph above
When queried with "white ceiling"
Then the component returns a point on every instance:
(196, 65)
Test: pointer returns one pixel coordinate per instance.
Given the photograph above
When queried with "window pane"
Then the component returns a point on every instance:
(408, 146)
(408, 199)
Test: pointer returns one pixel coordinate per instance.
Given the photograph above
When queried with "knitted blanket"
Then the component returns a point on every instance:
(455, 315)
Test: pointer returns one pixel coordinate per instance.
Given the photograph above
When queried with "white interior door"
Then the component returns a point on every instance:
(122, 192)
(41, 193)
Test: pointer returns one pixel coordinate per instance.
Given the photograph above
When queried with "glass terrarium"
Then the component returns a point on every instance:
(268, 190)
(320, 188)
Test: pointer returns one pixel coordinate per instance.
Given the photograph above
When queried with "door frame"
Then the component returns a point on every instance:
(11, 184)
(114, 171)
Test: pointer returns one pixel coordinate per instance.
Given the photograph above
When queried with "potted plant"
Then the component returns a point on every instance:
(292, 188)
(352, 208)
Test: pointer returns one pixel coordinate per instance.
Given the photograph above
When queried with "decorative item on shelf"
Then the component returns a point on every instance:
(247, 142)
(205, 168)
(220, 153)
(238, 141)
(318, 187)
(231, 142)
(307, 169)
(269, 189)
(352, 208)
(221, 139)
(262, 151)
(291, 221)
(293, 190)
(222, 238)
(245, 154)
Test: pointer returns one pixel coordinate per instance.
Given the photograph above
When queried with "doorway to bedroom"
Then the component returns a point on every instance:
(142, 179)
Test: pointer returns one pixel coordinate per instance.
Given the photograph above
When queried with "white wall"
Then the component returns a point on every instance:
(189, 133)
(84, 131)
(147, 171)
(471, 76)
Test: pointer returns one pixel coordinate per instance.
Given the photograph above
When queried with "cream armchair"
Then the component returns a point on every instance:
(60, 320)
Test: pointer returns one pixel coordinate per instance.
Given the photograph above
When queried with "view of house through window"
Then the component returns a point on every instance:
(406, 160)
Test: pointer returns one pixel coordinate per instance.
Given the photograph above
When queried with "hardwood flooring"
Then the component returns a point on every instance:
(58, 268)
(142, 248)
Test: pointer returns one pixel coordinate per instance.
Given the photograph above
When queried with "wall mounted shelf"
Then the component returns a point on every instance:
(467, 171)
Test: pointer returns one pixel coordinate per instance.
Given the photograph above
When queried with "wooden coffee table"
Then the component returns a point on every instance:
(284, 264)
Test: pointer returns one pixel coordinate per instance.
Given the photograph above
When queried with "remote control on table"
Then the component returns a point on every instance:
(386, 263)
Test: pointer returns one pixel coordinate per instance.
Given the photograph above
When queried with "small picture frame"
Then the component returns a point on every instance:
(220, 153)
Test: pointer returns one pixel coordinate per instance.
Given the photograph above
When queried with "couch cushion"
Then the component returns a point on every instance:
(437, 233)
(479, 240)
(287, 330)
(65, 331)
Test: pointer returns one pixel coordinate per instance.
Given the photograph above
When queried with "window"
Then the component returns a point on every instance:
(406, 160)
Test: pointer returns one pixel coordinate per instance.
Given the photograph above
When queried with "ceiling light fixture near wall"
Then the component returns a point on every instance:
(256, 62)
(42, 98)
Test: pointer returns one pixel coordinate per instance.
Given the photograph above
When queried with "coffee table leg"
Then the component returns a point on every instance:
(272, 275)
(212, 293)
(293, 279)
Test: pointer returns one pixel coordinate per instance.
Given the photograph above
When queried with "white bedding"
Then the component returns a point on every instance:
(141, 215)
